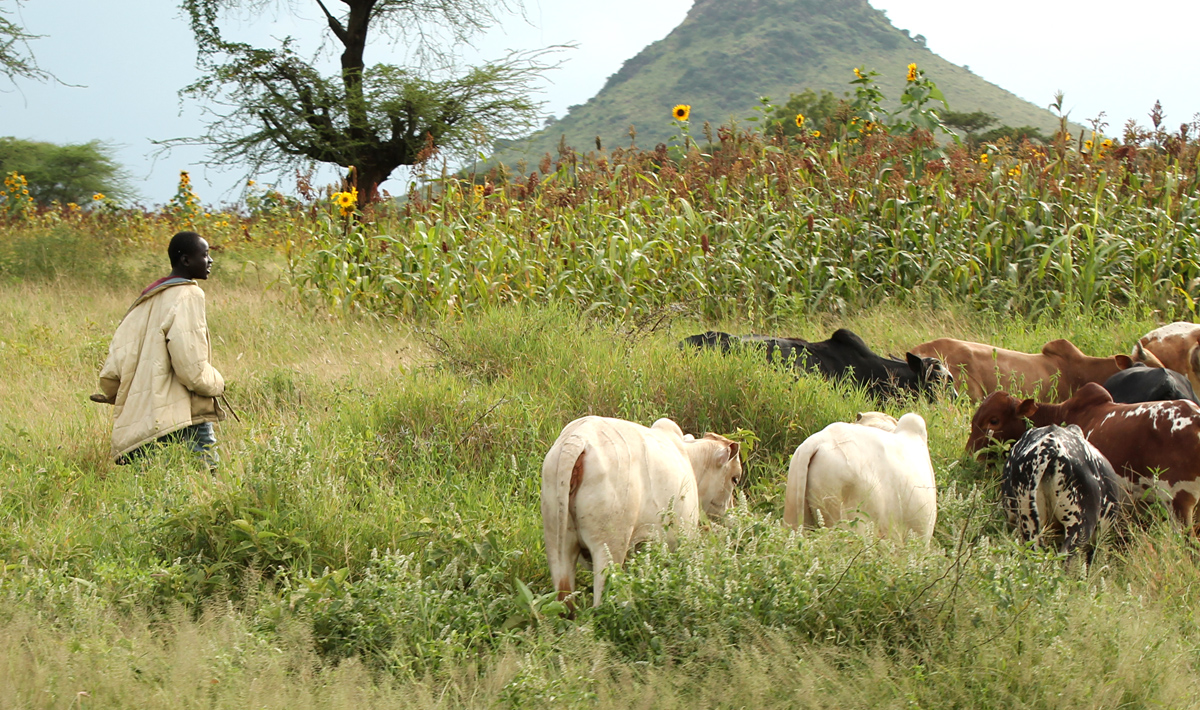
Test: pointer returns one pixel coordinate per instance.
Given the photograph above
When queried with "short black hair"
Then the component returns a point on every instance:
(183, 244)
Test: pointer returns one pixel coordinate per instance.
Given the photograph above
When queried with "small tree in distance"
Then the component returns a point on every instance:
(274, 109)
(64, 173)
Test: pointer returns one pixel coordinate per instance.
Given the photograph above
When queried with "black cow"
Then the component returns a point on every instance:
(843, 355)
(1140, 383)
(1056, 483)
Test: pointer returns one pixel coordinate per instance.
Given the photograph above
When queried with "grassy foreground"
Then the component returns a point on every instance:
(373, 536)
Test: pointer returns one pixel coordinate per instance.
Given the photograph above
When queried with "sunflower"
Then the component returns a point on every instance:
(983, 158)
(1106, 143)
(912, 72)
(799, 120)
(816, 134)
(858, 73)
(1087, 145)
(98, 196)
(681, 112)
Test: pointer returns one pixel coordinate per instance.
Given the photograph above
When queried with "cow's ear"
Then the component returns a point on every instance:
(734, 448)
(1124, 362)
(915, 364)
(1026, 409)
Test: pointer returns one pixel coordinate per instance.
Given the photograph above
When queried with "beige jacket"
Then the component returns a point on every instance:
(157, 373)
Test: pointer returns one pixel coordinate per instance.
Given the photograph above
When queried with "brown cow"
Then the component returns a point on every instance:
(1059, 370)
(1175, 347)
(1152, 445)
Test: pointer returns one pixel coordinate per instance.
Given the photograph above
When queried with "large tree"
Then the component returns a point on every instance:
(274, 108)
(16, 61)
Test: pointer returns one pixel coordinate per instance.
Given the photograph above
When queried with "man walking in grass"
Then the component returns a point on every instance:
(157, 373)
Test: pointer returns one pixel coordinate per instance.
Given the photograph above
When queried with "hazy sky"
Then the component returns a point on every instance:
(124, 61)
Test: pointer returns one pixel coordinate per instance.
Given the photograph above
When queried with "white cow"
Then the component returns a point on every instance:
(848, 470)
(608, 484)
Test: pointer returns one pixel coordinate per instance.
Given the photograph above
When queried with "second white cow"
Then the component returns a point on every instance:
(608, 484)
(848, 470)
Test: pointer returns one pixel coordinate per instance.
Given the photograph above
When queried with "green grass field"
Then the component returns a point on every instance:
(373, 536)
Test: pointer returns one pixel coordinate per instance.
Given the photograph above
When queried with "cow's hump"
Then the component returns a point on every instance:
(849, 339)
(1090, 395)
(912, 424)
(1062, 348)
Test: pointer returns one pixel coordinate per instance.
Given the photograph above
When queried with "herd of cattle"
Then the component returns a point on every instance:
(1125, 430)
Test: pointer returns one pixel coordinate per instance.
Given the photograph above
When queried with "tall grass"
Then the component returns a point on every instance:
(373, 535)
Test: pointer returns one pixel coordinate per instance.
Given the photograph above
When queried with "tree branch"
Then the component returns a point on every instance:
(335, 25)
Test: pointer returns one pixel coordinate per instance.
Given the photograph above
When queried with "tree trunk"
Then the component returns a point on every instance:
(367, 179)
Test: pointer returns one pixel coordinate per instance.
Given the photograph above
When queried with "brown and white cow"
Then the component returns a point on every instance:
(1057, 371)
(1155, 446)
(1175, 346)
(608, 484)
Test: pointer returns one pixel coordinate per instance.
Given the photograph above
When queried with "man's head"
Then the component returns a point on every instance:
(189, 256)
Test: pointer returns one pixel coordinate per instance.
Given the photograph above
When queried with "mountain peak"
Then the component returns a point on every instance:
(726, 54)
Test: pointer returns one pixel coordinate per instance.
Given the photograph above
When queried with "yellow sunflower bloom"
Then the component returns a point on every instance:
(799, 120)
(816, 134)
(983, 158)
(1106, 143)
(1087, 145)
(858, 73)
(681, 112)
(912, 72)
(98, 196)
(1015, 171)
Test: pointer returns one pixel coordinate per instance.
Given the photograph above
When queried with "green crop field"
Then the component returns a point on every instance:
(373, 535)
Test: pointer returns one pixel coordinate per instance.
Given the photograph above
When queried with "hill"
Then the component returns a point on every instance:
(728, 53)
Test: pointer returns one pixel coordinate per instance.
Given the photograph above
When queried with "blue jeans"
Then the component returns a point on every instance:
(197, 437)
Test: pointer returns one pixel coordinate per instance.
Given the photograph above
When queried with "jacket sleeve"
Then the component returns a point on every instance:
(110, 377)
(187, 343)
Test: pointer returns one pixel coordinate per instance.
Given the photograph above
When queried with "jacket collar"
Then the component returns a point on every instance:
(177, 281)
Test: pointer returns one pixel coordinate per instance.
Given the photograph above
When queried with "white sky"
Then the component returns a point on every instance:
(124, 61)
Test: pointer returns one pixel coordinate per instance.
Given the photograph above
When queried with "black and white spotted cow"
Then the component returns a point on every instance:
(1056, 483)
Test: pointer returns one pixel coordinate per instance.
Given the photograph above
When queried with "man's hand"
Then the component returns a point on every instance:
(102, 399)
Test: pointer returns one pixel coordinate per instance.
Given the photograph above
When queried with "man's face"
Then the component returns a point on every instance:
(198, 264)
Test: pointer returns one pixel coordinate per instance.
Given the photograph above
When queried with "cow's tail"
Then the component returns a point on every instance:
(795, 501)
(567, 474)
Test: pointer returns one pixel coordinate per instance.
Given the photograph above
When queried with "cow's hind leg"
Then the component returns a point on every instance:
(611, 552)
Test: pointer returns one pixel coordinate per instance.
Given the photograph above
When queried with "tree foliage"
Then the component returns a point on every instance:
(273, 108)
(815, 108)
(16, 61)
(969, 122)
(977, 127)
(64, 173)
